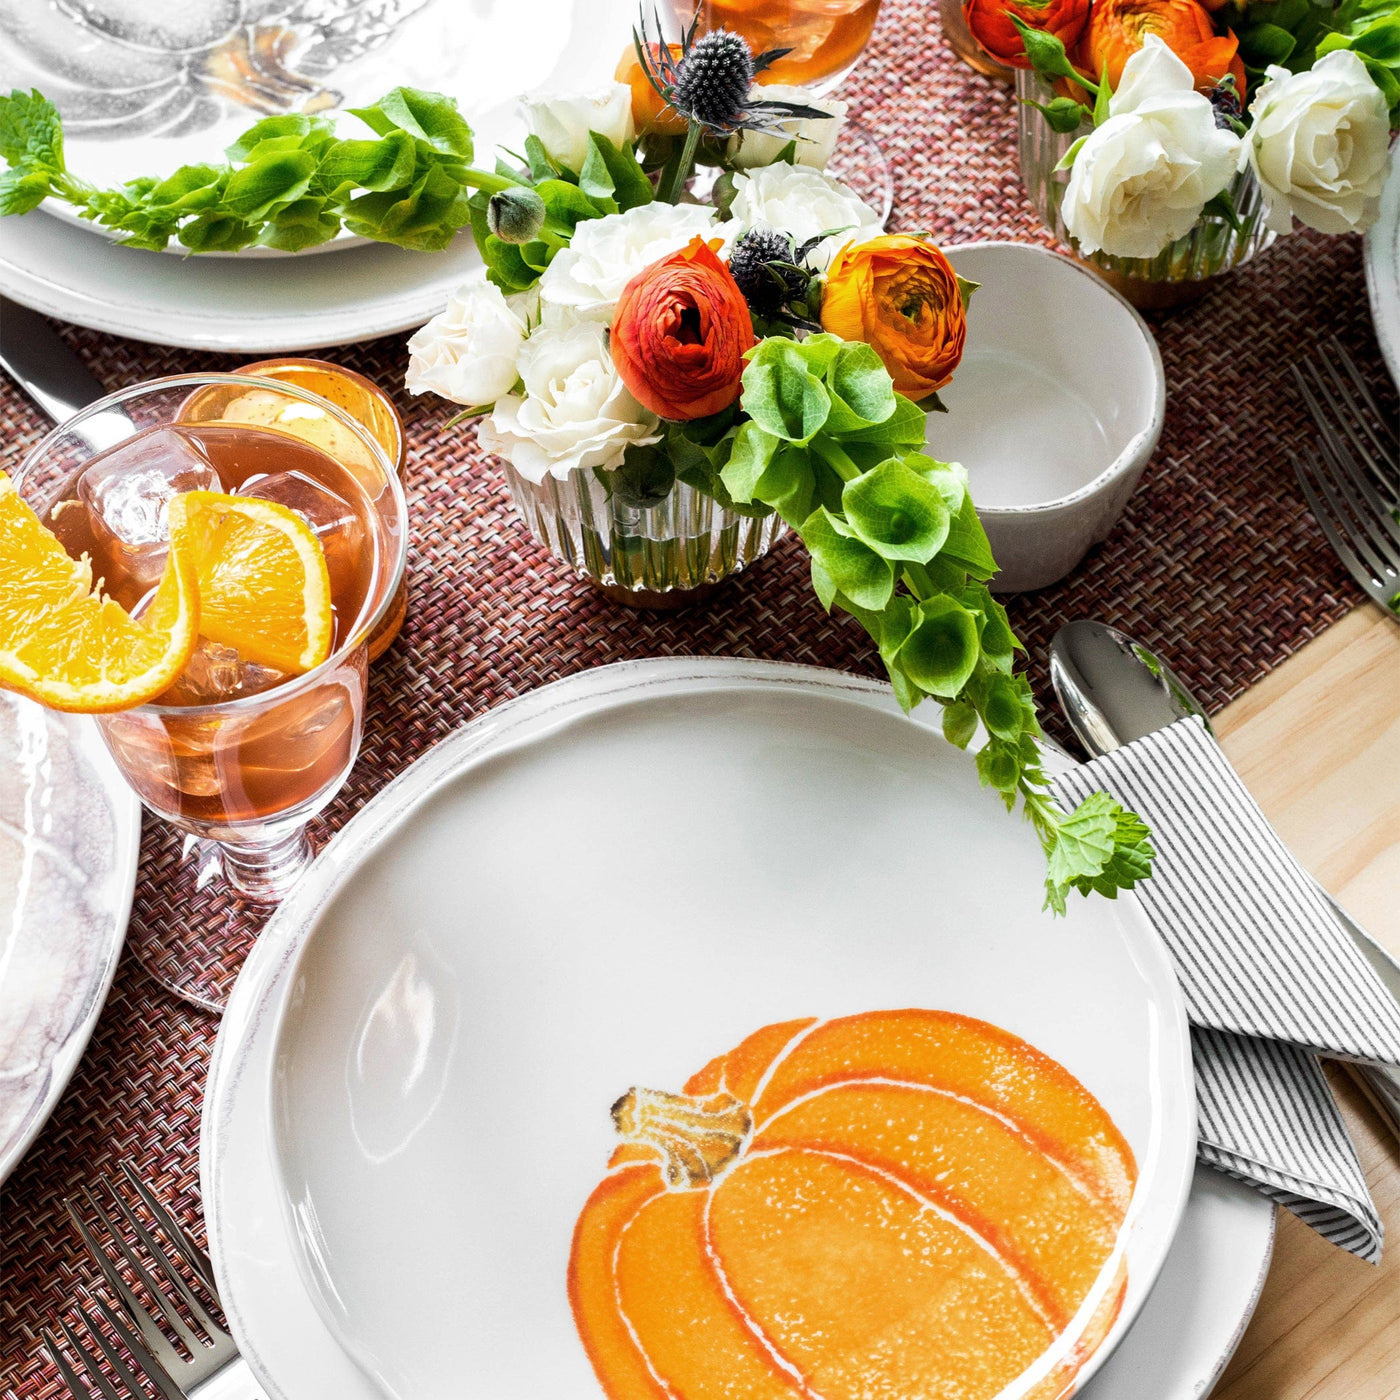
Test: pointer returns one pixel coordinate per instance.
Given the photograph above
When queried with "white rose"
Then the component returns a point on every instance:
(1318, 145)
(1140, 181)
(815, 138)
(803, 202)
(469, 352)
(575, 412)
(586, 279)
(563, 122)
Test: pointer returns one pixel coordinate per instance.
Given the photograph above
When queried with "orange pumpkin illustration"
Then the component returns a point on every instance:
(894, 1204)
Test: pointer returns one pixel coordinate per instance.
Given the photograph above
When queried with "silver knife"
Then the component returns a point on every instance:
(1114, 690)
(53, 376)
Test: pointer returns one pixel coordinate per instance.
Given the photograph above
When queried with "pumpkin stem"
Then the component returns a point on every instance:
(695, 1137)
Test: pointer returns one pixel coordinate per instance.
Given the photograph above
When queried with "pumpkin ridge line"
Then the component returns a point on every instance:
(1043, 1145)
(924, 1204)
(766, 1077)
(784, 1364)
(662, 1384)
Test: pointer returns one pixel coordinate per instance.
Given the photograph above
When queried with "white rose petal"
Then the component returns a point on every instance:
(815, 138)
(1140, 181)
(1318, 144)
(585, 280)
(803, 202)
(575, 411)
(563, 122)
(469, 352)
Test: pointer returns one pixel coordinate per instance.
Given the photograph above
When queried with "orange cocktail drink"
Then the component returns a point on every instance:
(825, 36)
(236, 749)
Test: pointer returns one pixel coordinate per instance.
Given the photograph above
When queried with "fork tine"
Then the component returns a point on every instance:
(116, 1361)
(104, 1387)
(149, 1283)
(155, 1373)
(156, 1340)
(1372, 467)
(1388, 446)
(165, 1267)
(1367, 534)
(77, 1387)
(195, 1257)
(1323, 516)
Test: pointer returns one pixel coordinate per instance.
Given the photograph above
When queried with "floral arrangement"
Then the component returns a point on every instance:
(773, 348)
(1172, 100)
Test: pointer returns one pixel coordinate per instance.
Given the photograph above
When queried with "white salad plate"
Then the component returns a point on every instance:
(1382, 256)
(606, 883)
(146, 87)
(70, 835)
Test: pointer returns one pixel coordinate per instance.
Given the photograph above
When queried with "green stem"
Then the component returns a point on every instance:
(685, 166)
(488, 180)
(836, 457)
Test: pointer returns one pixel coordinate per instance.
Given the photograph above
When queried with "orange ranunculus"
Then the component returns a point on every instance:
(990, 23)
(1117, 28)
(649, 111)
(900, 295)
(680, 333)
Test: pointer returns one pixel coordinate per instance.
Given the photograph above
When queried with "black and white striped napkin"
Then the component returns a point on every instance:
(1269, 977)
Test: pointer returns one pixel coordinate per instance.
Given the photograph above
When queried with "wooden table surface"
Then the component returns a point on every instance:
(1318, 744)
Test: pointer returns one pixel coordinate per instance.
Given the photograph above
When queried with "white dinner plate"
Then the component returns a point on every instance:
(784, 756)
(1382, 255)
(70, 836)
(186, 108)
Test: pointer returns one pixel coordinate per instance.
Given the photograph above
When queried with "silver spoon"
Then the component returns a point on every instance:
(1114, 690)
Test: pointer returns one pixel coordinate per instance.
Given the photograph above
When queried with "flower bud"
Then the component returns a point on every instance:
(515, 215)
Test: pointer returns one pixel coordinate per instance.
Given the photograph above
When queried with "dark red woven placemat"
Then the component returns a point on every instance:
(1216, 559)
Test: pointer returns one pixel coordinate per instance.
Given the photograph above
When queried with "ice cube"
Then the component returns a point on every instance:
(333, 521)
(215, 673)
(127, 491)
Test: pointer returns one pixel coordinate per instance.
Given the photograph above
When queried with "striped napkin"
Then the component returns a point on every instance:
(1270, 979)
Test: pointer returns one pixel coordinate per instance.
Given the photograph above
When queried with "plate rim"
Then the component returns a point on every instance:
(126, 812)
(1381, 260)
(488, 735)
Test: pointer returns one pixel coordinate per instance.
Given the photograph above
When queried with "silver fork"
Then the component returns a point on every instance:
(99, 1349)
(212, 1367)
(1353, 487)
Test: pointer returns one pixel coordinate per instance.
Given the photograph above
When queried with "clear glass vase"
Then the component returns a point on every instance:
(659, 556)
(1181, 271)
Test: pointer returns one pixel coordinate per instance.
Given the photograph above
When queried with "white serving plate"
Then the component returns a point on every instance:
(738, 739)
(1382, 255)
(255, 303)
(70, 836)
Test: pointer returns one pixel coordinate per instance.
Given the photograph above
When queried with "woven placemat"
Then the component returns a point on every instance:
(1216, 559)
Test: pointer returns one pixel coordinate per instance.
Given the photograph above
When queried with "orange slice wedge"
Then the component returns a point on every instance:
(261, 577)
(67, 645)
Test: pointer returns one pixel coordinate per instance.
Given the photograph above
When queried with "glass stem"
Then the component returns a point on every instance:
(265, 871)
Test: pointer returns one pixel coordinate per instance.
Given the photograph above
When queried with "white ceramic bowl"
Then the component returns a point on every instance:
(1054, 411)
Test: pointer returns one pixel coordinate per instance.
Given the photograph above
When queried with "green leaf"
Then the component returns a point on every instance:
(278, 179)
(1102, 99)
(897, 512)
(22, 190)
(380, 165)
(429, 116)
(1004, 710)
(1380, 42)
(425, 218)
(302, 224)
(216, 232)
(752, 451)
(1262, 44)
(645, 478)
(862, 393)
(903, 431)
(31, 133)
(279, 134)
(967, 542)
(941, 652)
(617, 172)
(542, 165)
(999, 644)
(857, 571)
(1067, 160)
(782, 395)
(959, 723)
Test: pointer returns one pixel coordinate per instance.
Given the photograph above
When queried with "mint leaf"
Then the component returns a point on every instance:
(22, 190)
(31, 132)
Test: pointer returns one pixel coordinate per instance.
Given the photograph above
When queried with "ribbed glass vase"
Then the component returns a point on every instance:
(1212, 247)
(657, 556)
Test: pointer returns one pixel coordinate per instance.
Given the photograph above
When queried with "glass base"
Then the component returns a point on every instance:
(859, 161)
(196, 942)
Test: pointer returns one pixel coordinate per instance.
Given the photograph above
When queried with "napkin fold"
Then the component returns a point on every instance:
(1269, 977)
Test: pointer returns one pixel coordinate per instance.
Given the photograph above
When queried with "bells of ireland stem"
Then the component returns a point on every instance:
(516, 214)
